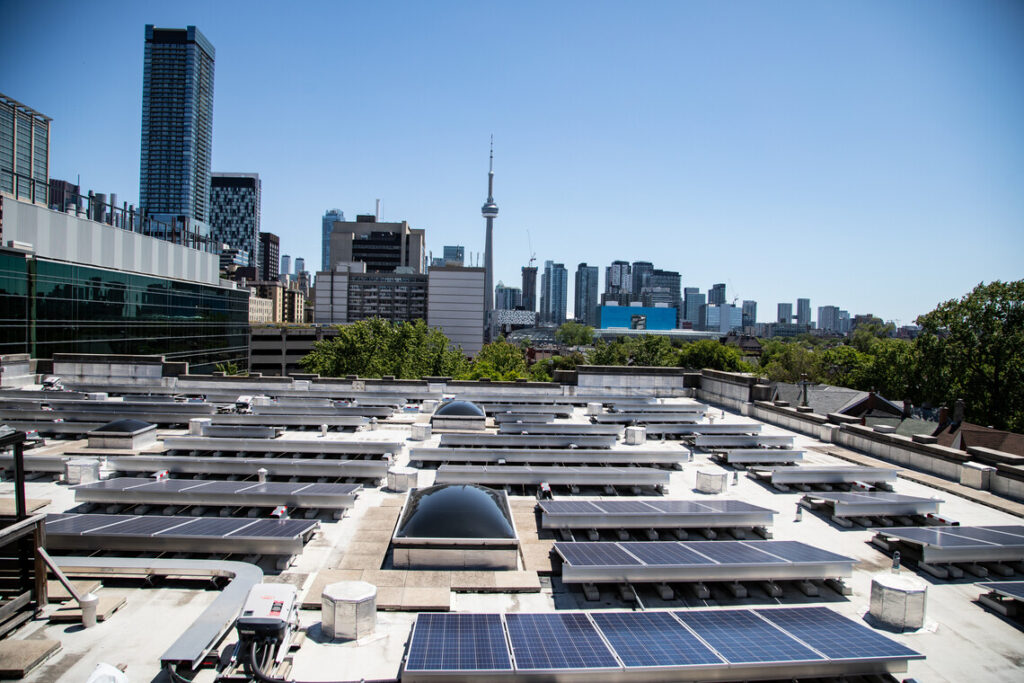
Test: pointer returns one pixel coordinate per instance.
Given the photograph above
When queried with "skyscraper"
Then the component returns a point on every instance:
(530, 288)
(618, 283)
(383, 247)
(749, 313)
(785, 314)
(585, 304)
(327, 225)
(177, 129)
(489, 211)
(235, 212)
(286, 264)
(803, 311)
(640, 271)
(693, 299)
(507, 298)
(300, 265)
(554, 284)
(716, 295)
(454, 255)
(270, 257)
(24, 151)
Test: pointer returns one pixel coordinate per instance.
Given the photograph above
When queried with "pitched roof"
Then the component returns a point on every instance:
(963, 435)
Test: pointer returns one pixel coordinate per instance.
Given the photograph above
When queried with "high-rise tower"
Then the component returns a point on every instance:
(490, 212)
(177, 129)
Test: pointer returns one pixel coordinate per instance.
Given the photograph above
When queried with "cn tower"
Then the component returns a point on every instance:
(490, 212)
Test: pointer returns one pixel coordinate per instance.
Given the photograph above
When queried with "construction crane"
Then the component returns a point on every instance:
(529, 244)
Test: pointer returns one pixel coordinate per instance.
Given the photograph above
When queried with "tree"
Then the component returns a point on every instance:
(711, 355)
(973, 348)
(610, 353)
(845, 366)
(788, 361)
(498, 360)
(575, 334)
(377, 347)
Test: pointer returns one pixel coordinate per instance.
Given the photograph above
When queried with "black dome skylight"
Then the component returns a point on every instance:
(456, 511)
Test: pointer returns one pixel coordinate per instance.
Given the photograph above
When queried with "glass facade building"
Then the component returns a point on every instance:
(235, 212)
(24, 151)
(49, 307)
(330, 217)
(177, 123)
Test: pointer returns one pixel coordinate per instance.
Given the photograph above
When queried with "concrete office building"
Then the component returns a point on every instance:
(330, 217)
(455, 305)
(383, 247)
(716, 295)
(235, 212)
(749, 313)
(74, 285)
(803, 312)
(348, 294)
(553, 293)
(270, 256)
(177, 133)
(585, 303)
(24, 151)
(785, 314)
(693, 300)
(507, 298)
(530, 288)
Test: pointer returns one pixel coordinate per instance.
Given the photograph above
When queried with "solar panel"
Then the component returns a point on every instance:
(651, 639)
(595, 554)
(1012, 589)
(664, 553)
(795, 551)
(835, 636)
(458, 642)
(568, 507)
(986, 535)
(78, 524)
(272, 528)
(742, 637)
(144, 526)
(625, 506)
(1015, 530)
(115, 484)
(931, 536)
(733, 506)
(680, 507)
(544, 642)
(335, 489)
(212, 526)
(732, 552)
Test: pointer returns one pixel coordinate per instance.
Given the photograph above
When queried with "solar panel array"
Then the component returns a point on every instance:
(960, 536)
(137, 489)
(872, 497)
(688, 553)
(1011, 589)
(704, 640)
(648, 507)
(143, 525)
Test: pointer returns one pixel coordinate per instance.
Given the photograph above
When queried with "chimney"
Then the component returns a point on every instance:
(908, 409)
(958, 411)
(943, 416)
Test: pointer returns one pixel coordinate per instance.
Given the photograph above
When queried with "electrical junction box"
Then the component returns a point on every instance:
(268, 613)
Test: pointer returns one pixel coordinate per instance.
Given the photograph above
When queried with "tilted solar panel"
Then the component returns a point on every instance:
(734, 552)
(78, 524)
(626, 507)
(595, 554)
(213, 526)
(272, 528)
(681, 507)
(651, 639)
(795, 551)
(1013, 589)
(543, 642)
(458, 642)
(145, 526)
(936, 536)
(987, 535)
(1015, 530)
(743, 638)
(569, 507)
(664, 553)
(835, 636)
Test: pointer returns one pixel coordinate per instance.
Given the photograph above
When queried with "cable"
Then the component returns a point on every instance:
(174, 675)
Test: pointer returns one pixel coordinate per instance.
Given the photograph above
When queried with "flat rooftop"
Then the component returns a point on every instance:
(961, 639)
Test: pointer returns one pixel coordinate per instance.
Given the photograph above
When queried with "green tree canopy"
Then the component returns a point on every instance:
(973, 348)
(711, 355)
(498, 360)
(377, 347)
(573, 333)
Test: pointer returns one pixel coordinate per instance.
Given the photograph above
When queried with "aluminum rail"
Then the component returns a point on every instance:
(647, 418)
(837, 474)
(212, 625)
(741, 456)
(559, 429)
(51, 427)
(694, 429)
(550, 456)
(234, 445)
(715, 441)
(528, 441)
(523, 474)
(276, 467)
(102, 416)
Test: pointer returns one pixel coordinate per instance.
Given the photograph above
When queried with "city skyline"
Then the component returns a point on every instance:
(851, 148)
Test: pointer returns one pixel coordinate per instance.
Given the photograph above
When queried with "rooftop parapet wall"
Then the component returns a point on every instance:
(642, 381)
(732, 389)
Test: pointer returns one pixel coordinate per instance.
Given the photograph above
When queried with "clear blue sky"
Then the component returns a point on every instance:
(868, 154)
